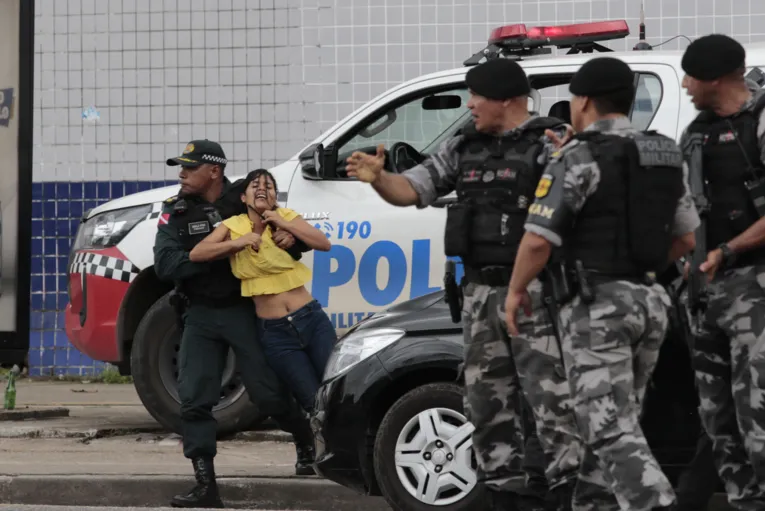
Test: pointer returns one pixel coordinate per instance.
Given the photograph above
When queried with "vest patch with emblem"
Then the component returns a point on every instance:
(543, 188)
(199, 227)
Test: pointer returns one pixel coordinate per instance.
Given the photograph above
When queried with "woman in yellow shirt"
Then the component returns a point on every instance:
(296, 334)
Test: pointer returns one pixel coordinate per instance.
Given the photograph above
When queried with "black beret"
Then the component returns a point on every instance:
(498, 79)
(600, 76)
(713, 56)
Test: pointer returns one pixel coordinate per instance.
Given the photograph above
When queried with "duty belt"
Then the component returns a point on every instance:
(595, 277)
(494, 276)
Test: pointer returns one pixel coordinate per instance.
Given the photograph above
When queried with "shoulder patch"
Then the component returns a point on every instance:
(543, 187)
(171, 200)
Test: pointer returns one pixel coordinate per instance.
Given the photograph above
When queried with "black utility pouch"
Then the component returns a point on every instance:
(457, 232)
(756, 189)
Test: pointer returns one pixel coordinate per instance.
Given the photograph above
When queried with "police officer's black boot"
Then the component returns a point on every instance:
(205, 493)
(507, 501)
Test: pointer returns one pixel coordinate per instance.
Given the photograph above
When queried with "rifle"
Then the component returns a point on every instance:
(551, 292)
(698, 293)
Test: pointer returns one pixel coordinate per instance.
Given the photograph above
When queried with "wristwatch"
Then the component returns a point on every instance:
(727, 254)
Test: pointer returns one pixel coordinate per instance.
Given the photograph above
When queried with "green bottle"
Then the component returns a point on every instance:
(10, 390)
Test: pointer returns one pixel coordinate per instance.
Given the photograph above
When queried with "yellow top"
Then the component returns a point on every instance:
(270, 270)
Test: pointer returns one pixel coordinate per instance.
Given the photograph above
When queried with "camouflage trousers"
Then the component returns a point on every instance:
(728, 355)
(610, 349)
(501, 375)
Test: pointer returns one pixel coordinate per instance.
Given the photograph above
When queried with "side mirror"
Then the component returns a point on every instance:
(312, 162)
(443, 102)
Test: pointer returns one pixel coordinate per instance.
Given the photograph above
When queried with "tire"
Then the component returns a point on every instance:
(444, 399)
(153, 361)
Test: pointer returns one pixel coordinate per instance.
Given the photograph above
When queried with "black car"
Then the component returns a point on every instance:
(389, 419)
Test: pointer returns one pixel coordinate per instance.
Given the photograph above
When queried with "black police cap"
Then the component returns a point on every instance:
(601, 76)
(198, 152)
(498, 79)
(713, 56)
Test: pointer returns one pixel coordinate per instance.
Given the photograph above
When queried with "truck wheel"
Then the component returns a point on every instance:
(154, 365)
(423, 454)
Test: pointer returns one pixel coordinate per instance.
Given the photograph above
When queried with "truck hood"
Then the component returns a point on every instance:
(282, 172)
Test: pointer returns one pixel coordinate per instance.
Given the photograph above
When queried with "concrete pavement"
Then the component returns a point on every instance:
(110, 452)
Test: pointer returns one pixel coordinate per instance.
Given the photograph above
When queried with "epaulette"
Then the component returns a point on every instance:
(171, 200)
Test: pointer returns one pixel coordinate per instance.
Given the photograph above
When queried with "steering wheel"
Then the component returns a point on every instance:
(404, 157)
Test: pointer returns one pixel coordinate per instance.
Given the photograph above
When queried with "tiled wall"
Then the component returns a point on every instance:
(120, 85)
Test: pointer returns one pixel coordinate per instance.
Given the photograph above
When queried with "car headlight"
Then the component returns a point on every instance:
(109, 228)
(357, 347)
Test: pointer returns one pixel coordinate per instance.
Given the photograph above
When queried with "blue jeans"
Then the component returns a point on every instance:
(298, 347)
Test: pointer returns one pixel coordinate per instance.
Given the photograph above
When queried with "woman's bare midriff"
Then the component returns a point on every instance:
(278, 306)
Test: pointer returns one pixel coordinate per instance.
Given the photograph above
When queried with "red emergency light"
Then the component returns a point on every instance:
(566, 34)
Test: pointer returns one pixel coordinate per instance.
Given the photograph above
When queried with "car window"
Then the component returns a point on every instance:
(647, 101)
(410, 123)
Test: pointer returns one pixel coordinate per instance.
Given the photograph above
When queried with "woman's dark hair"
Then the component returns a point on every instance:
(255, 175)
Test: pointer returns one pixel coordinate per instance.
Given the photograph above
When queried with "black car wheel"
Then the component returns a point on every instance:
(154, 366)
(423, 454)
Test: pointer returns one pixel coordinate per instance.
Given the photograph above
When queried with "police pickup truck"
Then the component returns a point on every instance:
(381, 255)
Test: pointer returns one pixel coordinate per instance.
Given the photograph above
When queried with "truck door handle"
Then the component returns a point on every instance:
(442, 202)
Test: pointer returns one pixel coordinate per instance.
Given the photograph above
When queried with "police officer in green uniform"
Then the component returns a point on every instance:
(216, 318)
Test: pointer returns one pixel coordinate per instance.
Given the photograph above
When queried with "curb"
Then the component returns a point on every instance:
(91, 433)
(307, 493)
(275, 435)
(24, 414)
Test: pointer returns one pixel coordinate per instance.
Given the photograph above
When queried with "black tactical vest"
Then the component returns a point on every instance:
(730, 159)
(195, 219)
(625, 226)
(495, 186)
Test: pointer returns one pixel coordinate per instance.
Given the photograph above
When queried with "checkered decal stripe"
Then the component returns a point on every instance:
(103, 266)
(156, 209)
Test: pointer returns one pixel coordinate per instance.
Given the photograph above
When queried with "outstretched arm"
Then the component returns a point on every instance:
(216, 245)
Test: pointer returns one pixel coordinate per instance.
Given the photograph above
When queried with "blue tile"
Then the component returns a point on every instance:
(49, 301)
(49, 209)
(75, 358)
(62, 190)
(49, 191)
(37, 209)
(49, 228)
(49, 320)
(49, 264)
(143, 186)
(37, 246)
(49, 246)
(49, 339)
(36, 302)
(63, 281)
(62, 209)
(47, 359)
(63, 263)
(37, 191)
(64, 245)
(62, 341)
(76, 190)
(63, 299)
(63, 228)
(85, 360)
(35, 320)
(61, 320)
(35, 357)
(35, 370)
(37, 265)
(118, 189)
(90, 204)
(104, 190)
(50, 283)
(76, 209)
(131, 187)
(37, 228)
(73, 369)
(59, 359)
(90, 191)
(73, 226)
(36, 284)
